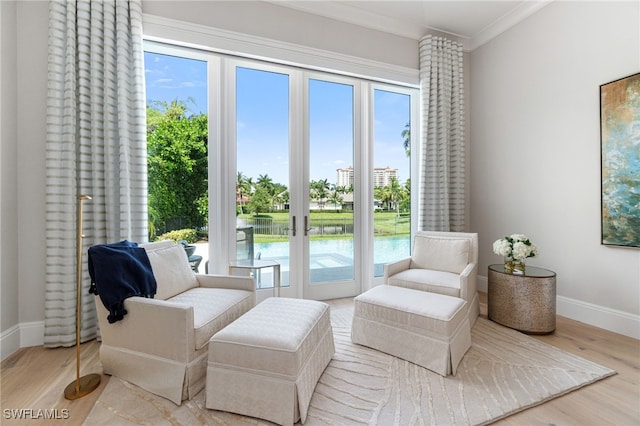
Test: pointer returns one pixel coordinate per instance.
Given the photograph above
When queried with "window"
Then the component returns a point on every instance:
(315, 167)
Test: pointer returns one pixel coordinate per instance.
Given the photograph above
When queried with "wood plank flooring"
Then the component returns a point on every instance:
(35, 378)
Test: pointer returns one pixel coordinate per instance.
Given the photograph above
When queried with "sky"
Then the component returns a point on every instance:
(262, 118)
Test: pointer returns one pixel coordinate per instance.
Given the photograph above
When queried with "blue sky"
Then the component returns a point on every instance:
(262, 118)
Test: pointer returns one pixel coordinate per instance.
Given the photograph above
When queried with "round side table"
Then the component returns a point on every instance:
(525, 302)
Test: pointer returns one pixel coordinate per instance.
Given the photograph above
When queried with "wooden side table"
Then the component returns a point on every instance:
(525, 302)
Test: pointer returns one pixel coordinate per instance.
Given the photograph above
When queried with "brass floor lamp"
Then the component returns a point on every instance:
(86, 384)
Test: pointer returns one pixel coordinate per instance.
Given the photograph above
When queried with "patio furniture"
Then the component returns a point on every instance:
(266, 364)
(161, 344)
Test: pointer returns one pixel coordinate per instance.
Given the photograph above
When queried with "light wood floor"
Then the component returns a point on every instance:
(35, 378)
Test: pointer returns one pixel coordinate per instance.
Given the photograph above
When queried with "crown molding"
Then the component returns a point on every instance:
(502, 24)
(343, 12)
(211, 39)
(346, 13)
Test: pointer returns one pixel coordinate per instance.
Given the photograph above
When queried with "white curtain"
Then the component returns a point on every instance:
(96, 145)
(442, 162)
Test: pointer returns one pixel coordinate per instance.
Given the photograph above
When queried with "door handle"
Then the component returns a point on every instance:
(293, 226)
(306, 226)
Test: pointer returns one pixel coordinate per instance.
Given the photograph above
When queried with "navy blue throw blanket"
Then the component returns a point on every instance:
(118, 271)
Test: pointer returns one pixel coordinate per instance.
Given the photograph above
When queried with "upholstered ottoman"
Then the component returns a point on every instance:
(428, 329)
(267, 363)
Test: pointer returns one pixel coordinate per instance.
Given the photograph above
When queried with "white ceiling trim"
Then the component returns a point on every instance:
(166, 30)
(346, 13)
(513, 17)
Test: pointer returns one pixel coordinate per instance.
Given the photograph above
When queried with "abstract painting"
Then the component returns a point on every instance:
(620, 161)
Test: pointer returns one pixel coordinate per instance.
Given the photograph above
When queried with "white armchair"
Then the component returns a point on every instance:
(161, 344)
(441, 262)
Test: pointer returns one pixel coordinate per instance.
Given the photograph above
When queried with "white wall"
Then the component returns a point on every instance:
(9, 316)
(535, 140)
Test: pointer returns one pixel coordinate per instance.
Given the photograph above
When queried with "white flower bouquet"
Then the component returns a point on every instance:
(515, 249)
(516, 246)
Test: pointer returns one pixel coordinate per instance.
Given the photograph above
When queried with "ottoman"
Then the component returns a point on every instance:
(428, 329)
(267, 363)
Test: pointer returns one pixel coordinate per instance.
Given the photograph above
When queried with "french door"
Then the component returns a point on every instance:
(308, 169)
(293, 131)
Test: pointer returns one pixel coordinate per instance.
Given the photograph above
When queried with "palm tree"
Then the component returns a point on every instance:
(319, 191)
(280, 195)
(381, 193)
(336, 199)
(406, 134)
(243, 187)
(395, 193)
(265, 182)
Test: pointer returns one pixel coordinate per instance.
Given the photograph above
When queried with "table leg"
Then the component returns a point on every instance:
(276, 279)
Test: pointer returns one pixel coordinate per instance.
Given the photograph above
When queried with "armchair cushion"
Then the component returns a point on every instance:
(173, 273)
(441, 253)
(427, 280)
(213, 309)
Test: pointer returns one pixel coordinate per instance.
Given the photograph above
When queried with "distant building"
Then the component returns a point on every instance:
(345, 177)
(381, 176)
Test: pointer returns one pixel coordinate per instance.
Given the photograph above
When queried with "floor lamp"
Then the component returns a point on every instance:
(86, 384)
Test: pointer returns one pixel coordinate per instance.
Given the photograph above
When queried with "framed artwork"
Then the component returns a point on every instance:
(620, 161)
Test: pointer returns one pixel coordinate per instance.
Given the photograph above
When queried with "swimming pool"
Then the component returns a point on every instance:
(328, 253)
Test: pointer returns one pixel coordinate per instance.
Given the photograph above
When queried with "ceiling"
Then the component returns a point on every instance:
(474, 22)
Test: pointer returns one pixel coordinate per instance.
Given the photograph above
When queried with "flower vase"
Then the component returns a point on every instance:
(514, 266)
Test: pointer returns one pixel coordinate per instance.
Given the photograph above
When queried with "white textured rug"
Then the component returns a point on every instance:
(504, 372)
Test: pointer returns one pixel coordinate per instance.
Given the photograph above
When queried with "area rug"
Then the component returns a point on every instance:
(504, 372)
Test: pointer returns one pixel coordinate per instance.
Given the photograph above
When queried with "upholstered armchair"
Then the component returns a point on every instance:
(441, 262)
(161, 343)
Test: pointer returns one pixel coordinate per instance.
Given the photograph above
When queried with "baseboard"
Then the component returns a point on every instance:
(599, 316)
(9, 341)
(21, 336)
(481, 283)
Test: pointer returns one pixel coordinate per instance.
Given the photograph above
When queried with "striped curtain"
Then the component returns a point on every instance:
(96, 145)
(442, 154)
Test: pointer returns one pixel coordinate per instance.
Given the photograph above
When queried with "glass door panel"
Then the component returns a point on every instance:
(391, 178)
(330, 226)
(262, 164)
(177, 147)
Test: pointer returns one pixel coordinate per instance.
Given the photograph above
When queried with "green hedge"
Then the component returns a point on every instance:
(189, 235)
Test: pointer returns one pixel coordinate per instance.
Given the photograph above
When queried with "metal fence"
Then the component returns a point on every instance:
(267, 226)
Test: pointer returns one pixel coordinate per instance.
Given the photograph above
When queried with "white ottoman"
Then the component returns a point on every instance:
(267, 363)
(428, 329)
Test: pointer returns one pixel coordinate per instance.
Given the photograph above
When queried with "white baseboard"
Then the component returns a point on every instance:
(599, 316)
(9, 341)
(481, 283)
(21, 336)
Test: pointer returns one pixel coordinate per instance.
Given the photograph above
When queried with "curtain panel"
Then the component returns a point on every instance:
(96, 145)
(441, 194)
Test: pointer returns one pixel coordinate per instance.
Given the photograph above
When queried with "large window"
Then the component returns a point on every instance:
(259, 161)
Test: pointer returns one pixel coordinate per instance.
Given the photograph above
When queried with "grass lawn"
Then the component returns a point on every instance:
(384, 223)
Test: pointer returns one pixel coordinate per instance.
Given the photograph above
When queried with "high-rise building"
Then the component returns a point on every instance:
(345, 177)
(382, 176)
